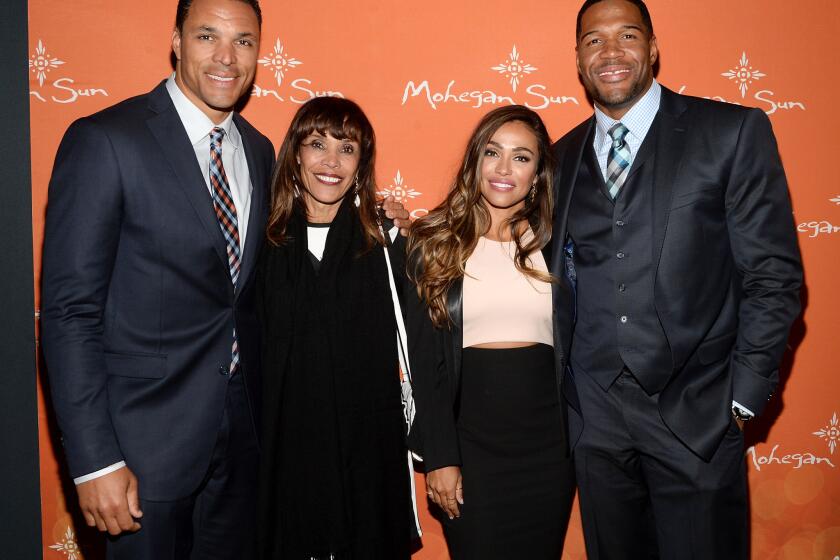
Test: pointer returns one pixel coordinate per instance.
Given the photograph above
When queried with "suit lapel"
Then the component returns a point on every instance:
(259, 196)
(564, 187)
(576, 142)
(672, 123)
(170, 134)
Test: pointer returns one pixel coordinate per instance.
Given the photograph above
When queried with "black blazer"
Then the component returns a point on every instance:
(138, 309)
(725, 251)
(435, 359)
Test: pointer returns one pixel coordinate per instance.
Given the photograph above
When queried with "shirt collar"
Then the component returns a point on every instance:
(196, 123)
(638, 119)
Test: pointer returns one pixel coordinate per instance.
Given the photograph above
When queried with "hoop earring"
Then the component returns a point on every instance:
(296, 187)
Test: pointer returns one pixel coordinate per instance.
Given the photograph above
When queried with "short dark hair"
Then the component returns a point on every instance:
(643, 9)
(184, 9)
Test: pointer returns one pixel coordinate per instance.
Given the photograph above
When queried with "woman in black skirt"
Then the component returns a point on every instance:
(335, 482)
(490, 421)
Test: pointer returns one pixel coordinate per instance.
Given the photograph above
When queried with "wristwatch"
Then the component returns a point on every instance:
(740, 414)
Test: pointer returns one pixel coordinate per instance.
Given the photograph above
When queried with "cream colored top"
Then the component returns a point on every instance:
(500, 303)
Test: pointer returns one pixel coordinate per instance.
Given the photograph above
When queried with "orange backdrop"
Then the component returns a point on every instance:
(425, 73)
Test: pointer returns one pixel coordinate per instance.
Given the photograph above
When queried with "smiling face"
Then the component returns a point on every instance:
(508, 170)
(327, 170)
(615, 55)
(216, 54)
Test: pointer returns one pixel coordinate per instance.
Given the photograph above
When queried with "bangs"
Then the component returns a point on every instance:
(339, 122)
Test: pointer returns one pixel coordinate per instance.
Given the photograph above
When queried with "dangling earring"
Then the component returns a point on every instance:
(357, 200)
(294, 180)
(533, 193)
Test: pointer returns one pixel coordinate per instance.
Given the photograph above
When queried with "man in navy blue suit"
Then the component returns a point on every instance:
(688, 275)
(149, 326)
(157, 208)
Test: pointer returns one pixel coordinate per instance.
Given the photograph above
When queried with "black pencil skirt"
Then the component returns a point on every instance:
(518, 482)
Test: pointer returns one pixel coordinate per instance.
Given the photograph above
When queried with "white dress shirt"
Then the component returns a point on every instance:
(198, 127)
(637, 120)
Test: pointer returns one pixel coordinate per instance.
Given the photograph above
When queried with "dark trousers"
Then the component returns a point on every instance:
(644, 494)
(217, 521)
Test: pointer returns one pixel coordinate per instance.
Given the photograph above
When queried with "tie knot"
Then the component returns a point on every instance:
(216, 135)
(617, 133)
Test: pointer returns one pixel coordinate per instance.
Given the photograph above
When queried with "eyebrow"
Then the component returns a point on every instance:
(517, 149)
(210, 29)
(623, 28)
(317, 134)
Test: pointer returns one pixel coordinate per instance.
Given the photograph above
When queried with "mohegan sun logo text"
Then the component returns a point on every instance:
(744, 75)
(819, 228)
(61, 90)
(793, 460)
(300, 90)
(514, 69)
(797, 460)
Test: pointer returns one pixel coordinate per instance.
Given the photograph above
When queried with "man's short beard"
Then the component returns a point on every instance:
(624, 100)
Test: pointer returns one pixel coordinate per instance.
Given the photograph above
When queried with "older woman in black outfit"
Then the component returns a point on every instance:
(485, 348)
(335, 484)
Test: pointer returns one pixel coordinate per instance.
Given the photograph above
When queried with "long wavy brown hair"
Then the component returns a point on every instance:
(441, 242)
(343, 120)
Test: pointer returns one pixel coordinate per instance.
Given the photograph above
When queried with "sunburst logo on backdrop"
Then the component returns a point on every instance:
(830, 433)
(279, 62)
(399, 190)
(743, 74)
(40, 63)
(68, 546)
(514, 68)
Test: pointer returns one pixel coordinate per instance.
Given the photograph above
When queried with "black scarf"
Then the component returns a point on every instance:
(331, 411)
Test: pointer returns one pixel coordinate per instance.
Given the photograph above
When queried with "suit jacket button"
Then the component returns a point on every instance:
(223, 370)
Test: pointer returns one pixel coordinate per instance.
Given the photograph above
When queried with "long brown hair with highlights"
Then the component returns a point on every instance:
(343, 120)
(441, 242)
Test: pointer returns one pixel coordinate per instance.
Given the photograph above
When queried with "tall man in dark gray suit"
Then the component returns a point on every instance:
(156, 212)
(682, 242)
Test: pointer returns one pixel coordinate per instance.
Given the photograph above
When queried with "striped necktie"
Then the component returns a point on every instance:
(618, 160)
(228, 222)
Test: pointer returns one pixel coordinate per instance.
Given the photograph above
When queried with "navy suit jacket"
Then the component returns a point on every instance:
(137, 307)
(725, 254)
